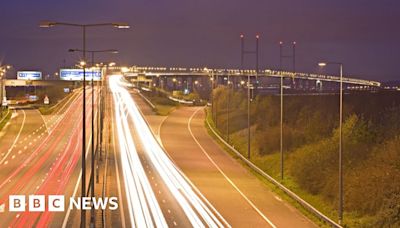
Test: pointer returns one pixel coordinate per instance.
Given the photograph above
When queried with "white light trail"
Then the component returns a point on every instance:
(197, 212)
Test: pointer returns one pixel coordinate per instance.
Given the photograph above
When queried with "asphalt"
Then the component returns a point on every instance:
(241, 198)
(41, 156)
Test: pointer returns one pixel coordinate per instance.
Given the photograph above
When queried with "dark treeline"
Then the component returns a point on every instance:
(371, 134)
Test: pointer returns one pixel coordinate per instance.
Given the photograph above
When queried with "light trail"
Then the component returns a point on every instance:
(198, 212)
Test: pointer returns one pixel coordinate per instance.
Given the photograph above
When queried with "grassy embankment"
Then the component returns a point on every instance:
(54, 106)
(371, 135)
(6, 117)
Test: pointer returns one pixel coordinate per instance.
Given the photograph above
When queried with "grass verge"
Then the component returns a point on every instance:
(50, 109)
(313, 200)
(7, 117)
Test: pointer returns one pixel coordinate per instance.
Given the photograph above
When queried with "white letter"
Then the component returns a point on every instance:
(100, 203)
(113, 203)
(37, 203)
(16, 203)
(86, 203)
(56, 203)
(73, 203)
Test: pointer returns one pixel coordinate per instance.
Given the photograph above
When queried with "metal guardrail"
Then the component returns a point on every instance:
(291, 194)
(147, 100)
(180, 101)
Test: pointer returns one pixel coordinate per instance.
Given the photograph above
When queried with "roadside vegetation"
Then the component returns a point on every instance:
(56, 104)
(371, 149)
(163, 105)
(5, 118)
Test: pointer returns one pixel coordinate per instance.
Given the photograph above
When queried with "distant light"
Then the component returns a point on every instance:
(321, 64)
(82, 63)
(124, 69)
(257, 36)
(112, 64)
(294, 42)
(241, 36)
(280, 42)
(121, 25)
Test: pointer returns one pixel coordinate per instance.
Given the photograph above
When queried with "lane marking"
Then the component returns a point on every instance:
(16, 139)
(117, 172)
(223, 173)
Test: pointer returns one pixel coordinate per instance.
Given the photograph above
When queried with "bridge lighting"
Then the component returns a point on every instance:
(124, 69)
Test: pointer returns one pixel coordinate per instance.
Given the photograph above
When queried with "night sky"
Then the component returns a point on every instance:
(363, 34)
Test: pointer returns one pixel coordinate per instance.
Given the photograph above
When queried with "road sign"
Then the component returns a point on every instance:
(4, 102)
(46, 100)
(29, 75)
(77, 74)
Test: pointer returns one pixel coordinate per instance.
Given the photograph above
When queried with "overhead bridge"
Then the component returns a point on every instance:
(44, 83)
(180, 71)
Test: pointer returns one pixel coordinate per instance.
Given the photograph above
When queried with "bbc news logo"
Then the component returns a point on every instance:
(56, 203)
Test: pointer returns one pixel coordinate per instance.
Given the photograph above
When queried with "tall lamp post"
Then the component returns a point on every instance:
(323, 64)
(49, 24)
(281, 57)
(243, 52)
(3, 71)
(93, 52)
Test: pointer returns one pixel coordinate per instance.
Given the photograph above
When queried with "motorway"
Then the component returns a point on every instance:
(241, 198)
(157, 193)
(179, 149)
(40, 156)
(165, 171)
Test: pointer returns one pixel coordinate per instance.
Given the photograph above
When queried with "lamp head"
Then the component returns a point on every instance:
(47, 24)
(121, 25)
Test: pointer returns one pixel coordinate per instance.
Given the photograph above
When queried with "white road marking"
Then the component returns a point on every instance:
(16, 139)
(223, 173)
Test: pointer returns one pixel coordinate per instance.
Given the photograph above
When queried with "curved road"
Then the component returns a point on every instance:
(241, 198)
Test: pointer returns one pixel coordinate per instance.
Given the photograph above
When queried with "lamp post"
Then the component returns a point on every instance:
(93, 52)
(323, 64)
(3, 71)
(49, 24)
(243, 52)
(281, 57)
(227, 107)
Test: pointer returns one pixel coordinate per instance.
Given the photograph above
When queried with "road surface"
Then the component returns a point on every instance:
(241, 198)
(41, 157)
(157, 193)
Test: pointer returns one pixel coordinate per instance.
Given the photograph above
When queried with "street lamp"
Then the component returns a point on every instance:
(281, 57)
(3, 71)
(93, 52)
(227, 107)
(49, 24)
(323, 64)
